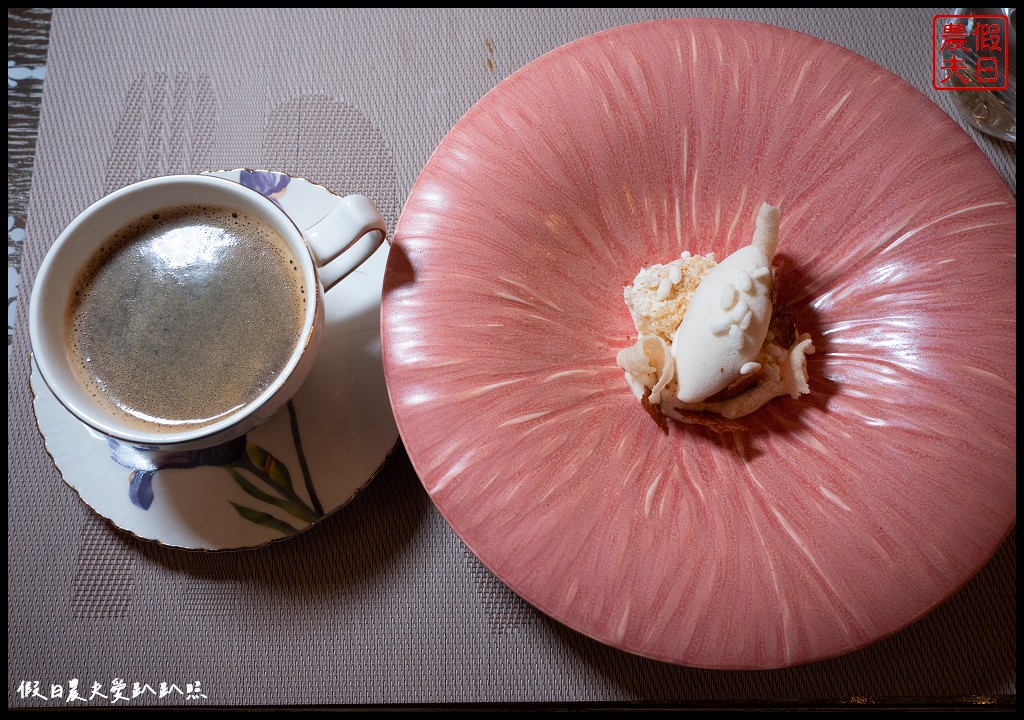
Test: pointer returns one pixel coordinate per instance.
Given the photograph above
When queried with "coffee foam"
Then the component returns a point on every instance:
(184, 317)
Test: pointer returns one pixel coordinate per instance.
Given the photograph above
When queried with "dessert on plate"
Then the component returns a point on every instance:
(714, 344)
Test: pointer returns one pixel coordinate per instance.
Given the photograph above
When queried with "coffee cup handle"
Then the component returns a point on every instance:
(345, 238)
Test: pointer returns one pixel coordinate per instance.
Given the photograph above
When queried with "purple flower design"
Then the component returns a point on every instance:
(258, 473)
(144, 464)
(266, 183)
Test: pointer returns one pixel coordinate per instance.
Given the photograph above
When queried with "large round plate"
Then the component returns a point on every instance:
(837, 519)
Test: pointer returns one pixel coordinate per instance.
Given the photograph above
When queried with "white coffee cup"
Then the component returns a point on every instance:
(324, 253)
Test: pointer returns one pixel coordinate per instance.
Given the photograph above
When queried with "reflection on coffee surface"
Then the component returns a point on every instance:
(184, 317)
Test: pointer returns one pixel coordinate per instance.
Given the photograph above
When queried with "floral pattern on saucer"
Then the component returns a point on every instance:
(244, 462)
(267, 183)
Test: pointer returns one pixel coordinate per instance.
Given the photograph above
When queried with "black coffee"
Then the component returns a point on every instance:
(185, 316)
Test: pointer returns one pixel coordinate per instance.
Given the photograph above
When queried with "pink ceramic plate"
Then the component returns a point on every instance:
(837, 519)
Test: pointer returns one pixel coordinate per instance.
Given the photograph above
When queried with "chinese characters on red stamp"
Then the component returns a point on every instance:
(970, 52)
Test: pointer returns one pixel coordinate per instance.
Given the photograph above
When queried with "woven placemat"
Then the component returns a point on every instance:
(380, 603)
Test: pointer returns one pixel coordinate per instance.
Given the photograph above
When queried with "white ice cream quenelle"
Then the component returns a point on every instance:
(727, 320)
(701, 326)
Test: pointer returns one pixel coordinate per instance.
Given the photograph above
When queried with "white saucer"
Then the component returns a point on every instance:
(310, 459)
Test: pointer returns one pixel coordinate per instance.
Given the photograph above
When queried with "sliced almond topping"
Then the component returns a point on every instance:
(776, 273)
(654, 411)
(737, 386)
(717, 423)
(783, 324)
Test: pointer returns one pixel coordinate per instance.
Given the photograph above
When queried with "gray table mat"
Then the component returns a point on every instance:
(380, 603)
